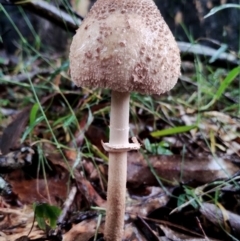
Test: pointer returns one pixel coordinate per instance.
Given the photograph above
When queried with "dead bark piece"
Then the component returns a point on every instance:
(174, 169)
(221, 217)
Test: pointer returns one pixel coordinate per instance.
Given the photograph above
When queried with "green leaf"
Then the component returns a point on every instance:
(39, 210)
(2, 60)
(181, 200)
(33, 114)
(45, 212)
(147, 145)
(172, 131)
(30, 128)
(52, 213)
(41, 223)
(219, 8)
(163, 151)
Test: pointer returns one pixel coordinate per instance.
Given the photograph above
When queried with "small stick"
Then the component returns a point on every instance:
(67, 204)
(200, 226)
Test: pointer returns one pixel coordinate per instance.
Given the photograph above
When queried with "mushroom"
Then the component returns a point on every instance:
(125, 46)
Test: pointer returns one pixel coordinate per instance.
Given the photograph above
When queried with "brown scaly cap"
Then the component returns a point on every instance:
(125, 45)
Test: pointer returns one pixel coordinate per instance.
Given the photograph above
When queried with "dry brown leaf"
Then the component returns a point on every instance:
(40, 190)
(175, 169)
(88, 191)
(132, 233)
(82, 231)
(12, 132)
(144, 205)
(19, 220)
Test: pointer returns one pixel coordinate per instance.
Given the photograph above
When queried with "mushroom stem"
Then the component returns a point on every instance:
(117, 167)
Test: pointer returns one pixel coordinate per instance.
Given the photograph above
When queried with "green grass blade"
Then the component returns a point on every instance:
(219, 8)
(227, 81)
(223, 86)
(33, 114)
(30, 128)
(172, 131)
(221, 50)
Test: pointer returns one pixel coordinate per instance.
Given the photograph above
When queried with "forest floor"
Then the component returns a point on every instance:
(183, 184)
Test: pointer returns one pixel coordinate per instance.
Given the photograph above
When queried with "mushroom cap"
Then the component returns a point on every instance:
(125, 45)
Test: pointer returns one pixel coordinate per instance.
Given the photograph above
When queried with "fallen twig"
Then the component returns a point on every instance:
(221, 217)
(54, 14)
(67, 204)
(189, 51)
